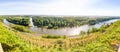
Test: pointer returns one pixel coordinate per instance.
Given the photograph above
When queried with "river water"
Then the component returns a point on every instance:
(70, 31)
(67, 30)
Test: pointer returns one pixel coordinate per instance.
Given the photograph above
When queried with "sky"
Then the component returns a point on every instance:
(60, 7)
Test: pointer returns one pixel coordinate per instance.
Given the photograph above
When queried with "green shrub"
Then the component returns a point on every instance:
(53, 36)
(20, 28)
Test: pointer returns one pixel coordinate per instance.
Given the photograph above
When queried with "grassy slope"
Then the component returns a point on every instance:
(106, 41)
(95, 42)
(13, 43)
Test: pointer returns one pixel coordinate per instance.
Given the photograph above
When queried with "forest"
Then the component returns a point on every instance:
(20, 21)
(57, 22)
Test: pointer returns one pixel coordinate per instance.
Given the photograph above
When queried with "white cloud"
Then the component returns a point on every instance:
(56, 7)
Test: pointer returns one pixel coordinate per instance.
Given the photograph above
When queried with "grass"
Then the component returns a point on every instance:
(20, 28)
(53, 36)
(12, 43)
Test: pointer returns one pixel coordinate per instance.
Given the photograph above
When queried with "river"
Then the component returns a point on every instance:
(70, 31)
(67, 30)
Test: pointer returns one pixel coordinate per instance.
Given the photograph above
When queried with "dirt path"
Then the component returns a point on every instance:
(1, 49)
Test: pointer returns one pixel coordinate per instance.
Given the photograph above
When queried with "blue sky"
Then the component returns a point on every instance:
(60, 7)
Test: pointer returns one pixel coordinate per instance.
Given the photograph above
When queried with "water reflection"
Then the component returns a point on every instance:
(31, 22)
(104, 23)
(5, 22)
(61, 31)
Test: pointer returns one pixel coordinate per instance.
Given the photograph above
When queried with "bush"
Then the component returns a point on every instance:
(102, 28)
(20, 28)
(94, 30)
(53, 36)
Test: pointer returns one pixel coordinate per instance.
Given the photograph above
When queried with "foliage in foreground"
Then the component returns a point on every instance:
(12, 43)
(53, 36)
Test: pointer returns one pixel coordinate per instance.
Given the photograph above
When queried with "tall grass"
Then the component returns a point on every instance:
(12, 43)
(20, 28)
(53, 36)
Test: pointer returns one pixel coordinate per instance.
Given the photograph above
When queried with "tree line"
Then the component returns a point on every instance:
(19, 20)
(57, 22)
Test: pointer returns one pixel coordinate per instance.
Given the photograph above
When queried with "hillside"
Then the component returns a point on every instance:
(106, 40)
(12, 43)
